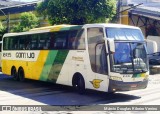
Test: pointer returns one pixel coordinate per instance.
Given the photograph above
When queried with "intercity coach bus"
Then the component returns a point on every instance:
(102, 57)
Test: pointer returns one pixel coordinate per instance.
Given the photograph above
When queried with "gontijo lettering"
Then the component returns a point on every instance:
(25, 55)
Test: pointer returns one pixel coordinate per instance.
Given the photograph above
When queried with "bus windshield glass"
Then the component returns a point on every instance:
(124, 34)
(129, 57)
(130, 53)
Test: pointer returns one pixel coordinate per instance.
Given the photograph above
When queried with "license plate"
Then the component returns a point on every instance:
(134, 85)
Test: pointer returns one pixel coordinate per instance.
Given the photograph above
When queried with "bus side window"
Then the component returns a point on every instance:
(47, 46)
(46, 40)
(71, 39)
(28, 42)
(21, 47)
(34, 42)
(5, 43)
(60, 43)
(41, 44)
(0, 46)
(60, 40)
(10, 43)
(22, 42)
(80, 40)
(51, 40)
(14, 44)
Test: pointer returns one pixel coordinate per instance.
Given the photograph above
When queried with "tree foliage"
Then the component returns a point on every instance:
(28, 21)
(77, 11)
(2, 30)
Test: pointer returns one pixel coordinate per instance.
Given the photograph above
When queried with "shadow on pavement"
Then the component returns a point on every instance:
(53, 94)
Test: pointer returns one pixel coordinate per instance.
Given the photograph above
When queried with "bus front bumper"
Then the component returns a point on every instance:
(126, 86)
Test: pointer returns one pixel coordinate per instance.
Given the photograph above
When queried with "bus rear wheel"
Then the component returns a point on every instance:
(14, 74)
(21, 74)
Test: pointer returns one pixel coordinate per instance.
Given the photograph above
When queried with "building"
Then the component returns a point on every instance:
(9, 14)
(146, 15)
(142, 13)
(6, 3)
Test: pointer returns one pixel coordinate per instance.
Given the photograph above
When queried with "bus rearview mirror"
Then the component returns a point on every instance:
(111, 45)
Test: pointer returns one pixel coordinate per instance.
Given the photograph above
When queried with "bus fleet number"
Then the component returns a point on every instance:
(6, 54)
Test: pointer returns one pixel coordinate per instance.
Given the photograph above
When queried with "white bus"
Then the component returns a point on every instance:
(102, 57)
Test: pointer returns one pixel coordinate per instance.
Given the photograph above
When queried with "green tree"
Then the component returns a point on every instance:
(28, 21)
(77, 11)
(2, 30)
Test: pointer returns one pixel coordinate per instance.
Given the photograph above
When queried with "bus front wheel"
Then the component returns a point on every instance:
(21, 74)
(79, 84)
(14, 74)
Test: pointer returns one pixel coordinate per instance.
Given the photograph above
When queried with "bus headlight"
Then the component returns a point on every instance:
(146, 77)
(116, 78)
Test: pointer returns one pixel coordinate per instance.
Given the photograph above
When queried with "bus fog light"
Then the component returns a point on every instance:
(113, 89)
(116, 78)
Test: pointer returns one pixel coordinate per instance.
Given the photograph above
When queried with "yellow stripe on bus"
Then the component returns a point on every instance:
(38, 66)
(27, 66)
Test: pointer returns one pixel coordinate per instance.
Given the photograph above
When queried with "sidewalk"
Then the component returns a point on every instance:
(154, 80)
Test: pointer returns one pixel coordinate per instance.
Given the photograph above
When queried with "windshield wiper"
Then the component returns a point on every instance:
(140, 71)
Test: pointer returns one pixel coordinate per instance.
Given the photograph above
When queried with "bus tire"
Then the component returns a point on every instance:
(79, 84)
(14, 74)
(21, 74)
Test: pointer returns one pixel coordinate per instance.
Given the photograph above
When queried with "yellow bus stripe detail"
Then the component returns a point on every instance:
(37, 67)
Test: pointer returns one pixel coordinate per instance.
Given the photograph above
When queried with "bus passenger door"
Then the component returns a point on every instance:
(101, 67)
(97, 75)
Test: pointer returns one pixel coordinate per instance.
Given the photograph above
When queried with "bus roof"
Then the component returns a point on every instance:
(69, 27)
(110, 25)
(46, 29)
(52, 28)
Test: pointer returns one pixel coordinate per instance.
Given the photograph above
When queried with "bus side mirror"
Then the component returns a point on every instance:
(111, 45)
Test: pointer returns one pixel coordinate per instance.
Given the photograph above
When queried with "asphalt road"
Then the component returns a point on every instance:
(33, 92)
(38, 93)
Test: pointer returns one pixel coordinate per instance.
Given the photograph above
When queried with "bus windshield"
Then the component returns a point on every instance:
(130, 51)
(124, 34)
(129, 57)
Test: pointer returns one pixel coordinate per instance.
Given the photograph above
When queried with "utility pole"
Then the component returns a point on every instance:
(7, 20)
